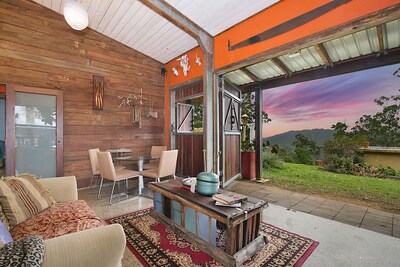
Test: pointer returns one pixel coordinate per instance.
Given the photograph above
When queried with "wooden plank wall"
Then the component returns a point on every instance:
(38, 48)
(191, 90)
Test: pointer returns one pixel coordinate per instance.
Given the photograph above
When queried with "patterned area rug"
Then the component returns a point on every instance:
(154, 244)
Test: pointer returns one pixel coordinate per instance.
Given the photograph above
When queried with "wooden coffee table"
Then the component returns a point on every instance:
(230, 235)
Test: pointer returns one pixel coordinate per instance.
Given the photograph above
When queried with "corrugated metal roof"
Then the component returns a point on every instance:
(265, 70)
(364, 42)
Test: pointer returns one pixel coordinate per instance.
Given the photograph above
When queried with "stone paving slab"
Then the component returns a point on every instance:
(364, 217)
(396, 219)
(304, 207)
(396, 231)
(388, 219)
(346, 221)
(324, 213)
(332, 205)
(383, 230)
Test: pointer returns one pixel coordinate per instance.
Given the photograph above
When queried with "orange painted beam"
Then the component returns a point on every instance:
(280, 13)
(269, 18)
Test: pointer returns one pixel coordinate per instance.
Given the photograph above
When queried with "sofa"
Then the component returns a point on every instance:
(72, 234)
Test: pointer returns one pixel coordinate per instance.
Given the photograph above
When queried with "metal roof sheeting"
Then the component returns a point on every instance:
(364, 42)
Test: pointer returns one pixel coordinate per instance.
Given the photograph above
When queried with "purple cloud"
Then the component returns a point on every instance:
(340, 98)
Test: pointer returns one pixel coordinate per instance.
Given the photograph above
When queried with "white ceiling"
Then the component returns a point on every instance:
(135, 25)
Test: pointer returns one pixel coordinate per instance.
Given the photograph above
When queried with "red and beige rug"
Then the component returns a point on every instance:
(154, 244)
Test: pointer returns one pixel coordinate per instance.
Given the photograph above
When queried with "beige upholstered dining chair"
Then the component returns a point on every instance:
(155, 155)
(94, 163)
(107, 171)
(166, 167)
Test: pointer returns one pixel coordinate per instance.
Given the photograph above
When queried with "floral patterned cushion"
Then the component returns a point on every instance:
(63, 218)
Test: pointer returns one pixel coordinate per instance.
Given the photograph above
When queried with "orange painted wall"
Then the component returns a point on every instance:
(171, 80)
(282, 12)
(195, 71)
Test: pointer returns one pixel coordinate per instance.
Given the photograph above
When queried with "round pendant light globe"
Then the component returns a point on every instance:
(76, 15)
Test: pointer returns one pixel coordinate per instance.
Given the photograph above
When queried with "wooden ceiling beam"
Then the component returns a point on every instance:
(363, 63)
(206, 43)
(204, 39)
(249, 74)
(379, 31)
(324, 55)
(282, 66)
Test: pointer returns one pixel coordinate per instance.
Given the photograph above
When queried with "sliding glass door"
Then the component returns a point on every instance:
(34, 130)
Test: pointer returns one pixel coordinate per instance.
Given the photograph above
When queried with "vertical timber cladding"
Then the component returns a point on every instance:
(39, 49)
(189, 145)
(231, 121)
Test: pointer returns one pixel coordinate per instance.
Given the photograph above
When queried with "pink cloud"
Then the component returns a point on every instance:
(321, 103)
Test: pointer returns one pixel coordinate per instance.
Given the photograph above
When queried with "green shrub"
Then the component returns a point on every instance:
(339, 164)
(303, 156)
(271, 161)
(387, 171)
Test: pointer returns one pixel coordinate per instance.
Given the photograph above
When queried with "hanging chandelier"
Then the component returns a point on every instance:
(76, 15)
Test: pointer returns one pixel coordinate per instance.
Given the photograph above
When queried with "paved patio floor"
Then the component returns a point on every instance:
(359, 216)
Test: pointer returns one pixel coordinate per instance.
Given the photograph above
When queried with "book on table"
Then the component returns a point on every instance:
(229, 198)
(235, 205)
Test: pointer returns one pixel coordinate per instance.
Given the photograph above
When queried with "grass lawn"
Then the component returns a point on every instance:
(380, 193)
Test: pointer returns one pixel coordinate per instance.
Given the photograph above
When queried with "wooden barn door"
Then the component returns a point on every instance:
(230, 100)
(187, 136)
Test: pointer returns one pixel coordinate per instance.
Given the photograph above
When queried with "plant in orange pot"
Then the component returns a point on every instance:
(248, 154)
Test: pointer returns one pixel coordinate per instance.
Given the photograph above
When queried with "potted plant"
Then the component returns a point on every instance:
(248, 154)
(248, 159)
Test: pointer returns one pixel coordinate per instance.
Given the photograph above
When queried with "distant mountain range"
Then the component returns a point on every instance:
(285, 140)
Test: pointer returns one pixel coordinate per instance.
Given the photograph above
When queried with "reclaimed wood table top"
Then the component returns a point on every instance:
(174, 187)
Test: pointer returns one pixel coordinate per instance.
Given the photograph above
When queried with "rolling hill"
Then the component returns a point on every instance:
(285, 140)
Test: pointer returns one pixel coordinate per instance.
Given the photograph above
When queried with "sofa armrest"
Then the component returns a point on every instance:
(61, 188)
(102, 246)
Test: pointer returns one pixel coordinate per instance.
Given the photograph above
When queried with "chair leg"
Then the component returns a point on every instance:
(112, 192)
(101, 185)
(92, 185)
(140, 185)
(91, 182)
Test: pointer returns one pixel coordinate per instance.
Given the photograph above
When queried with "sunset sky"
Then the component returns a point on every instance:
(322, 103)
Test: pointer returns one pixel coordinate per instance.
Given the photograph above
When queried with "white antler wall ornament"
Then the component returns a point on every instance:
(175, 71)
(184, 64)
(197, 60)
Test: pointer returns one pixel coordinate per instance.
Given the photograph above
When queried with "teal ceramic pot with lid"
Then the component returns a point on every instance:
(207, 183)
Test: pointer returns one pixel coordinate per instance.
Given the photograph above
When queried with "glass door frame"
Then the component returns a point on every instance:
(11, 90)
